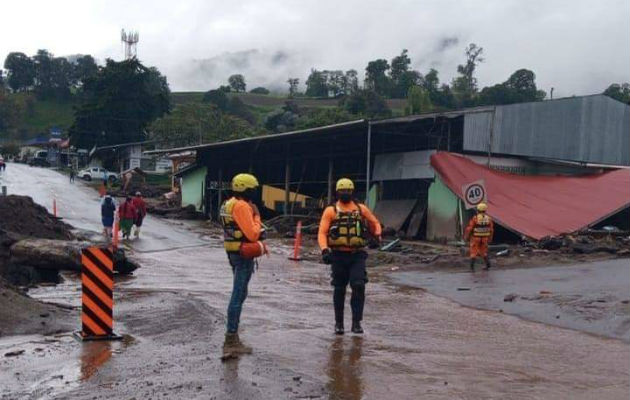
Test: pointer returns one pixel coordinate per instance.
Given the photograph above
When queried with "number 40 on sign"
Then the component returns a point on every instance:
(474, 193)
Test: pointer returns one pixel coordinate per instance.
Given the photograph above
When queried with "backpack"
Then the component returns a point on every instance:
(108, 208)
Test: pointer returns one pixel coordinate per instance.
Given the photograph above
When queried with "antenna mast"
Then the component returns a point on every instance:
(130, 40)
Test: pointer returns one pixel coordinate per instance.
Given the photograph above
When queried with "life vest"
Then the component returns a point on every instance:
(232, 234)
(482, 226)
(348, 229)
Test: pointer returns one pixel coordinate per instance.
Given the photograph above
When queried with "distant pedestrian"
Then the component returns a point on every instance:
(481, 228)
(126, 214)
(108, 209)
(73, 174)
(141, 212)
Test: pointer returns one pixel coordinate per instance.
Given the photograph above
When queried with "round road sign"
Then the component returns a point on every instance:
(475, 194)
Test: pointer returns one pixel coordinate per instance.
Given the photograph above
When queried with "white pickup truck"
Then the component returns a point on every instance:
(97, 173)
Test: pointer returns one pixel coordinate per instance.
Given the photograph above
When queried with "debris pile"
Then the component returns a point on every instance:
(23, 217)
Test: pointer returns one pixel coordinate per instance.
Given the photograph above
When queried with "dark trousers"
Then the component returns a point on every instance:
(349, 268)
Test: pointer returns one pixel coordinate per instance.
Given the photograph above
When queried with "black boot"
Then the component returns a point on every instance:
(339, 297)
(487, 264)
(356, 327)
(472, 265)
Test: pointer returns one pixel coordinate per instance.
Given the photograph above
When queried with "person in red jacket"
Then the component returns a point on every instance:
(141, 212)
(126, 214)
(479, 232)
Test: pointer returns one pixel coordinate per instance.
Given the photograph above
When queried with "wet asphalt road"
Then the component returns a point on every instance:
(591, 297)
(172, 312)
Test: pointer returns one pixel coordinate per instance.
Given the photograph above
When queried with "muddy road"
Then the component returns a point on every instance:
(172, 313)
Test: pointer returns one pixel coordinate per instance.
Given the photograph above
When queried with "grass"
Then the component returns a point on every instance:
(41, 115)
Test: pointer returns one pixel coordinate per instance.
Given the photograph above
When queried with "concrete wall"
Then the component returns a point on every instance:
(193, 185)
(442, 214)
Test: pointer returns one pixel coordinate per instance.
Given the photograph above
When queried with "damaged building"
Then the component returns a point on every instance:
(406, 168)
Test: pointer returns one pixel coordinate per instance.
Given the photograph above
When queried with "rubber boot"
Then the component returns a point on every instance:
(472, 265)
(356, 327)
(487, 264)
(233, 347)
(339, 328)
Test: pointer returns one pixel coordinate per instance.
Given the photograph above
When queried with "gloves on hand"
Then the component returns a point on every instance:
(327, 256)
(374, 242)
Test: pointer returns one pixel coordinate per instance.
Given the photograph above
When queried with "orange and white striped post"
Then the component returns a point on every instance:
(55, 207)
(115, 234)
(297, 243)
(97, 298)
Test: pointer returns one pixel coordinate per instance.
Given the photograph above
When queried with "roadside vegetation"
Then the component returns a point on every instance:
(126, 101)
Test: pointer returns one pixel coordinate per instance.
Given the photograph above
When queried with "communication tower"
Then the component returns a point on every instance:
(130, 41)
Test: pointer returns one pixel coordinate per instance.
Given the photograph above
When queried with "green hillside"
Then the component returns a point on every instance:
(40, 115)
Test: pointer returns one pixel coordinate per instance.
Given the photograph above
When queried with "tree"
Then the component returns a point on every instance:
(316, 85)
(619, 92)
(465, 86)
(418, 101)
(119, 102)
(323, 116)
(225, 88)
(351, 81)
(402, 77)
(259, 90)
(284, 119)
(365, 102)
(293, 86)
(518, 88)
(375, 77)
(20, 71)
(216, 97)
(237, 82)
(84, 67)
(193, 123)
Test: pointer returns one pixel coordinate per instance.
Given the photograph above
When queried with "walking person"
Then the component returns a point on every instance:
(242, 227)
(126, 215)
(343, 235)
(73, 174)
(141, 212)
(108, 210)
(481, 228)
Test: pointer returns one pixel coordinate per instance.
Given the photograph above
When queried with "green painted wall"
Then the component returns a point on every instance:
(442, 216)
(193, 187)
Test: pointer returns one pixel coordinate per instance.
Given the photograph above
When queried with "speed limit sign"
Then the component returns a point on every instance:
(474, 193)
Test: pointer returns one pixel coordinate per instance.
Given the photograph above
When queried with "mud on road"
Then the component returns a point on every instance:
(416, 346)
(172, 314)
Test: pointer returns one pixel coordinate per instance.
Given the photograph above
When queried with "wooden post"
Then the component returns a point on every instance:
(330, 180)
(287, 187)
(219, 193)
(367, 170)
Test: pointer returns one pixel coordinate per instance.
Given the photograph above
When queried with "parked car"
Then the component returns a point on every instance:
(38, 162)
(97, 173)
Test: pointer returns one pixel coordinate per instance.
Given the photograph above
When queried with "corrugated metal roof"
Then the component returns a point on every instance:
(445, 114)
(593, 129)
(260, 138)
(398, 166)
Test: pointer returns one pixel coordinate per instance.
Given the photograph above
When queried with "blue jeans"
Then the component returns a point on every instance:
(242, 269)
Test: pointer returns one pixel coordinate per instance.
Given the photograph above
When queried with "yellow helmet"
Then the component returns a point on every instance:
(345, 184)
(482, 207)
(242, 182)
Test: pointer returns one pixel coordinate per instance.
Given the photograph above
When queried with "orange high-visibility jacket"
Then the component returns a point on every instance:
(480, 225)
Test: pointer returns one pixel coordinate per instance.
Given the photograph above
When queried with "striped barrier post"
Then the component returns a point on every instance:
(97, 299)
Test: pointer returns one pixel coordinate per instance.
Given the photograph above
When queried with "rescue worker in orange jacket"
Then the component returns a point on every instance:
(479, 231)
(241, 224)
(344, 231)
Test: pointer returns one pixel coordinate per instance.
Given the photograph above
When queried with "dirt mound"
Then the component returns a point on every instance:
(20, 314)
(21, 215)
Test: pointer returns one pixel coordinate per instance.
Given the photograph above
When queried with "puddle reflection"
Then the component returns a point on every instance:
(93, 356)
(344, 369)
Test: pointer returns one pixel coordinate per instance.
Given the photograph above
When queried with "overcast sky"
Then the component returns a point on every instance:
(576, 46)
